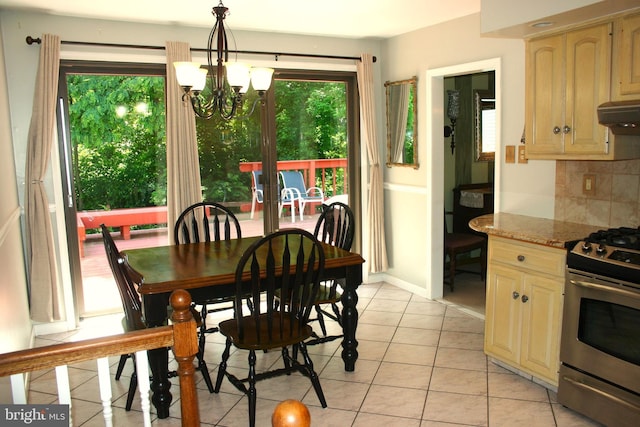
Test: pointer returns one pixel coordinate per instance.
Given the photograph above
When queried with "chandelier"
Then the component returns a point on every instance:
(228, 81)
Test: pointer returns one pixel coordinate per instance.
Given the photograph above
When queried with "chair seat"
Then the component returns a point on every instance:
(328, 294)
(285, 332)
(462, 242)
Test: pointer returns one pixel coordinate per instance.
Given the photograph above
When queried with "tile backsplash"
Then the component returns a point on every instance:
(615, 197)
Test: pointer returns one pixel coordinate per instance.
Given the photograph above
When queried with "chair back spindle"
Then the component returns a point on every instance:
(206, 221)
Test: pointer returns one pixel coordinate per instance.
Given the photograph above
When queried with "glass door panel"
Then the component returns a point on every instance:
(112, 133)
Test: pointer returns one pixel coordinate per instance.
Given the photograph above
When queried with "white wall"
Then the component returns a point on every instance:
(15, 332)
(521, 188)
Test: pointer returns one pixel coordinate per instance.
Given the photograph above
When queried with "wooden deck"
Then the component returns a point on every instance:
(99, 288)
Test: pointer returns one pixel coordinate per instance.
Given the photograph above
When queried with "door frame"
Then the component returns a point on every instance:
(435, 161)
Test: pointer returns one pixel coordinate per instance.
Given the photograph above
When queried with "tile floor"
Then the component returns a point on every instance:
(420, 364)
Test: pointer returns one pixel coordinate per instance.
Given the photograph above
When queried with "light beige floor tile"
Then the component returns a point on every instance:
(425, 307)
(512, 412)
(393, 293)
(461, 359)
(416, 336)
(461, 340)
(459, 381)
(456, 408)
(330, 417)
(238, 416)
(410, 354)
(371, 350)
(345, 395)
(372, 420)
(364, 373)
(512, 386)
(393, 306)
(429, 423)
(394, 401)
(403, 375)
(463, 324)
(294, 386)
(47, 382)
(380, 318)
(214, 406)
(39, 398)
(375, 332)
(120, 418)
(421, 321)
(363, 303)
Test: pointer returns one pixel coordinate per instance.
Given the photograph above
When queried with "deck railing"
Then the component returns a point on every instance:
(181, 336)
(328, 174)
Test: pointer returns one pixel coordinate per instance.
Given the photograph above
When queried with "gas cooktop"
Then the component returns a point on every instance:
(613, 253)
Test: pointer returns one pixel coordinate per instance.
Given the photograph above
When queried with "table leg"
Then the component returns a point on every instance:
(350, 318)
(155, 308)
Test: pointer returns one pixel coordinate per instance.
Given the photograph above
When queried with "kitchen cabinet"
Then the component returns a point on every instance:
(626, 67)
(525, 285)
(567, 76)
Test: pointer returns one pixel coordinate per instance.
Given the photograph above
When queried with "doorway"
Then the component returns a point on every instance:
(435, 120)
(468, 175)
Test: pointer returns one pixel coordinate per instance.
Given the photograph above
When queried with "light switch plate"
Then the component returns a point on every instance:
(510, 154)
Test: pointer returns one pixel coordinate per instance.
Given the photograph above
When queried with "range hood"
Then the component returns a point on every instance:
(622, 117)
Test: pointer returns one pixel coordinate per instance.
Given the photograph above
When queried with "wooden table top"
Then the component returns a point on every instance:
(196, 265)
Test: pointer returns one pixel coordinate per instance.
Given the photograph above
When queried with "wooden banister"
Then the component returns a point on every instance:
(181, 335)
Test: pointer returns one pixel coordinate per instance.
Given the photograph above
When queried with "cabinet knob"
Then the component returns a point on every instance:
(515, 295)
(525, 298)
(566, 129)
(520, 258)
(556, 130)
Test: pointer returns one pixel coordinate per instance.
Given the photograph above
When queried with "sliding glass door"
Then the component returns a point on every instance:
(113, 148)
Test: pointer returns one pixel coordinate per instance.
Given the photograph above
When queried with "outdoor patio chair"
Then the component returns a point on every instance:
(256, 190)
(295, 191)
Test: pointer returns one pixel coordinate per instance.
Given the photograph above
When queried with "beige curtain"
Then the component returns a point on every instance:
(183, 165)
(377, 256)
(398, 114)
(45, 297)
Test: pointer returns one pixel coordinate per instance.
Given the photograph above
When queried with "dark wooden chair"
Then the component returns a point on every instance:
(336, 227)
(127, 281)
(292, 260)
(206, 222)
(462, 243)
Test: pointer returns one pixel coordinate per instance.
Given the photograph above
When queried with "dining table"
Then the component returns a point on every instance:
(207, 270)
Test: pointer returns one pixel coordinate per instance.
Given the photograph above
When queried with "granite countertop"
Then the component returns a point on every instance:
(530, 229)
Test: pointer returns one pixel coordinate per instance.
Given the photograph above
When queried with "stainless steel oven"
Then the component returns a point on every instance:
(600, 346)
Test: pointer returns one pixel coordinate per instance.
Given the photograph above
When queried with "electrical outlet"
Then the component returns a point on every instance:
(588, 184)
(522, 154)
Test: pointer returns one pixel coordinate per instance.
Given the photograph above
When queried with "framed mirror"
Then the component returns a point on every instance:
(402, 123)
(484, 111)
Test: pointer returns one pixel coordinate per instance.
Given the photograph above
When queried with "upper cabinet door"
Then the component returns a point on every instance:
(545, 87)
(626, 83)
(588, 61)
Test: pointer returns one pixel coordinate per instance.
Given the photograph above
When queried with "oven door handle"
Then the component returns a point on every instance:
(605, 288)
(582, 385)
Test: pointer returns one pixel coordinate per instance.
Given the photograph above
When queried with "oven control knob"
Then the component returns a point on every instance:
(601, 249)
(586, 247)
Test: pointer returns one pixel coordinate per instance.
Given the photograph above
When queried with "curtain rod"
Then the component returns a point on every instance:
(30, 40)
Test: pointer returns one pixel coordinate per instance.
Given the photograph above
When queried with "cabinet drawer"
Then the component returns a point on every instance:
(538, 258)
